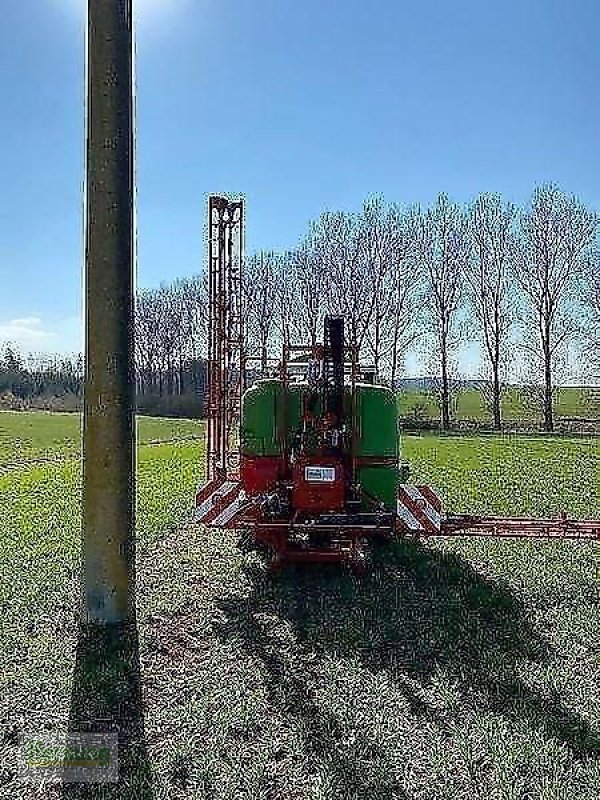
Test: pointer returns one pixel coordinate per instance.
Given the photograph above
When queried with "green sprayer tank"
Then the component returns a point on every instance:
(258, 430)
(262, 408)
(374, 421)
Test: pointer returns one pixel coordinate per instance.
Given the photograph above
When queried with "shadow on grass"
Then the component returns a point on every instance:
(106, 698)
(418, 613)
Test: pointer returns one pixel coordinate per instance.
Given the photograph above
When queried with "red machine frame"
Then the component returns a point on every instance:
(221, 502)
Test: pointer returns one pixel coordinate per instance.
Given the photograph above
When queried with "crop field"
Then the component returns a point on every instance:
(454, 669)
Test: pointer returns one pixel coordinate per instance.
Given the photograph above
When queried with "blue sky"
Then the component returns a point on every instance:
(302, 106)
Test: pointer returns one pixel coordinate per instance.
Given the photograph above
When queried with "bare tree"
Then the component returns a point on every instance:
(377, 253)
(443, 249)
(557, 235)
(146, 344)
(349, 249)
(194, 299)
(311, 285)
(287, 305)
(590, 300)
(492, 226)
(260, 292)
(393, 327)
(339, 249)
(170, 334)
(404, 325)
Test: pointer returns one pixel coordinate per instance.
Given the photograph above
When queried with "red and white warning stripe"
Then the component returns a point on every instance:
(206, 490)
(419, 508)
(227, 517)
(213, 498)
(219, 502)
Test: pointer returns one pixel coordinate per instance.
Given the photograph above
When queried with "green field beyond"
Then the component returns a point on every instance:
(454, 669)
(571, 402)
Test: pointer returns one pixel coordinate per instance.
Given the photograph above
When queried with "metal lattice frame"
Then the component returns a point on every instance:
(226, 368)
(520, 527)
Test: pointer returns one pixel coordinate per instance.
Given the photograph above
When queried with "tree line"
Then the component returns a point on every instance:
(522, 282)
(171, 325)
(39, 379)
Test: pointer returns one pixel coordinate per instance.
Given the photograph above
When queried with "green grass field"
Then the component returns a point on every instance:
(571, 402)
(454, 669)
(42, 436)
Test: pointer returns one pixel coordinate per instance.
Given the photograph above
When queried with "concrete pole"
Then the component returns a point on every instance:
(109, 422)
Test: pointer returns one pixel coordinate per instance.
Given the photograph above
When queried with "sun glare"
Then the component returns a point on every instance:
(144, 10)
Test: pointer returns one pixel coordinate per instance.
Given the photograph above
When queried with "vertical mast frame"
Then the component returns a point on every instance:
(226, 351)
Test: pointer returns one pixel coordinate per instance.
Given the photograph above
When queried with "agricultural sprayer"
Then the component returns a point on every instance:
(307, 460)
